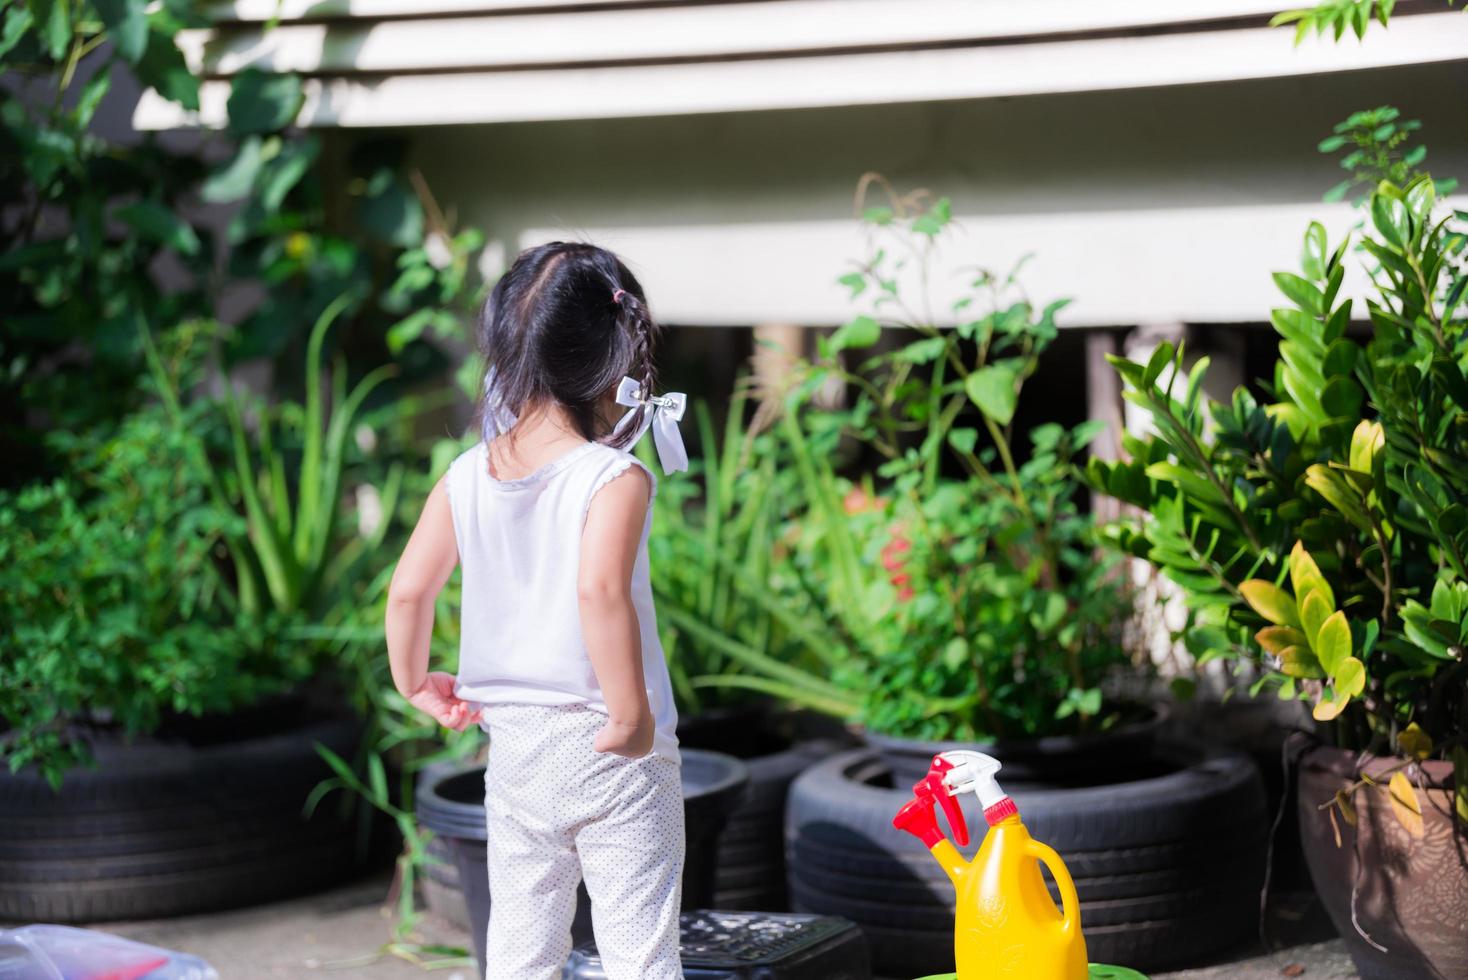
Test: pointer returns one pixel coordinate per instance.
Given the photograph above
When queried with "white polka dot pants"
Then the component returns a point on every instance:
(557, 810)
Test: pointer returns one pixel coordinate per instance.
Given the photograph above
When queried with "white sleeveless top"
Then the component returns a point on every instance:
(519, 550)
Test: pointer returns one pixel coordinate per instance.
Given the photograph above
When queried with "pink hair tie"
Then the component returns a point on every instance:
(617, 295)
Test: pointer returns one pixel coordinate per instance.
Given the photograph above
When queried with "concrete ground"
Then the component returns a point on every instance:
(346, 932)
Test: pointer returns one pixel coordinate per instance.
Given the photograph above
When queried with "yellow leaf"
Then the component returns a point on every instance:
(1350, 677)
(1299, 662)
(1405, 806)
(1314, 611)
(1276, 638)
(1332, 643)
(1328, 708)
(1305, 576)
(1414, 742)
(1366, 442)
(1271, 602)
(1348, 809)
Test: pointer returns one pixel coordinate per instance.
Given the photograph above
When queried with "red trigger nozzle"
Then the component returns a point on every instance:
(931, 787)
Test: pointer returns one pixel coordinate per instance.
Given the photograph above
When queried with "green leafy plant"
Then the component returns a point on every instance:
(1335, 17)
(119, 603)
(1323, 534)
(88, 219)
(714, 540)
(1377, 144)
(953, 593)
(85, 217)
(294, 549)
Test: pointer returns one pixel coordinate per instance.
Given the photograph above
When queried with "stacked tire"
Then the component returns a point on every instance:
(751, 853)
(170, 827)
(1168, 865)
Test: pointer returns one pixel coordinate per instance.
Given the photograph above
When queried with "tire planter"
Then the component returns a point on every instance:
(1168, 865)
(1411, 893)
(776, 746)
(196, 820)
(452, 806)
(1056, 760)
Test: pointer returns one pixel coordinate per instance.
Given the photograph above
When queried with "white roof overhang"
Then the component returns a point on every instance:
(379, 63)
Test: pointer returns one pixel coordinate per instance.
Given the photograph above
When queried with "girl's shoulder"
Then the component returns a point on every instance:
(461, 470)
(608, 462)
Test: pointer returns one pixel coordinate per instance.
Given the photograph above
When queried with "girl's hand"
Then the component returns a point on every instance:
(436, 698)
(631, 740)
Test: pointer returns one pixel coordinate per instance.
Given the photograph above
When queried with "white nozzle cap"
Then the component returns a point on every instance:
(973, 771)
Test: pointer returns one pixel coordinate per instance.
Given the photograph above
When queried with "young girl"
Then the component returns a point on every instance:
(559, 658)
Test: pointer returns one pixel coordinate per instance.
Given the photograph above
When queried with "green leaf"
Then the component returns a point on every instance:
(163, 69)
(855, 281)
(993, 389)
(92, 94)
(1271, 602)
(18, 21)
(1333, 644)
(263, 103)
(863, 331)
(1334, 488)
(286, 170)
(53, 23)
(127, 25)
(1305, 295)
(955, 654)
(156, 223)
(237, 177)
(963, 439)
(1161, 357)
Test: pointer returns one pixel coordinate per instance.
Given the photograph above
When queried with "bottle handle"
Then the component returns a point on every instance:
(1070, 905)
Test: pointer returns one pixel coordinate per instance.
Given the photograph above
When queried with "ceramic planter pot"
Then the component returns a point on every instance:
(1411, 892)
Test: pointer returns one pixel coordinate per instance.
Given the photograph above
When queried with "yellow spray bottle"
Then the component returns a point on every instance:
(1006, 927)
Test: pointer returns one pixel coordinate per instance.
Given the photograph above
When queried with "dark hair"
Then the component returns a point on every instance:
(568, 321)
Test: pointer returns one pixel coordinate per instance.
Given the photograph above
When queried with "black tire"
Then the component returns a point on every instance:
(751, 853)
(169, 827)
(1167, 866)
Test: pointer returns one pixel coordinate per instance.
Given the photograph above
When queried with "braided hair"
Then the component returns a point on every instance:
(566, 322)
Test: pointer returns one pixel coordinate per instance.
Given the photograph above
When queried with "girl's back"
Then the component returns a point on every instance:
(519, 544)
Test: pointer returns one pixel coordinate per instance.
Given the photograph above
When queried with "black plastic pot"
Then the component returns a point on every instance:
(777, 745)
(1059, 760)
(453, 807)
(1167, 860)
(203, 814)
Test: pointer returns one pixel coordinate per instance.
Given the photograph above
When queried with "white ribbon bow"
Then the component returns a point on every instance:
(663, 414)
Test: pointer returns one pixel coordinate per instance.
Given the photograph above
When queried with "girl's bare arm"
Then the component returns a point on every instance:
(609, 545)
(426, 564)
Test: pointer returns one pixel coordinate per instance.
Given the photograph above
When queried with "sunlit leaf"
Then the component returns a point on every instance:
(1414, 742)
(1271, 602)
(1333, 643)
(1405, 805)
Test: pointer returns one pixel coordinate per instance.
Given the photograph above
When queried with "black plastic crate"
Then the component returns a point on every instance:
(719, 945)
